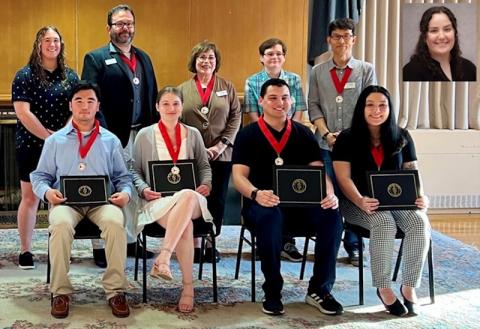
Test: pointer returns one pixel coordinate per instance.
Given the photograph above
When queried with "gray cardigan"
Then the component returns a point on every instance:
(145, 150)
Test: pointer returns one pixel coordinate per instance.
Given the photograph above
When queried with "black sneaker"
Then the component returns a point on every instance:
(327, 305)
(291, 253)
(25, 261)
(272, 307)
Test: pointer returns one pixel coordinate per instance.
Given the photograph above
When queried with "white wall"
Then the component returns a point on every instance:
(449, 163)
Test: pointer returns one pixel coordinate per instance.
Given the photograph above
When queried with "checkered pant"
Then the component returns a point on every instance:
(383, 227)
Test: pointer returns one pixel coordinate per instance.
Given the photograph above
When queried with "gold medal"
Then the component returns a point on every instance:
(339, 99)
(279, 161)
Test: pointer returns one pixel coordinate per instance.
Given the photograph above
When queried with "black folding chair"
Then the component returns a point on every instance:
(251, 242)
(364, 233)
(201, 229)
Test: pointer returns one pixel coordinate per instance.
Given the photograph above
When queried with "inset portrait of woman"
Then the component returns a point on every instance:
(437, 55)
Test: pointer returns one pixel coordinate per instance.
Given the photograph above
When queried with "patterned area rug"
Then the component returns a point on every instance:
(24, 295)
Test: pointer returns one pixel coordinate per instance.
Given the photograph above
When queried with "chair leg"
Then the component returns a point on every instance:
(360, 273)
(252, 235)
(397, 264)
(239, 253)
(304, 259)
(137, 256)
(214, 270)
(431, 280)
(202, 250)
(144, 254)
(48, 259)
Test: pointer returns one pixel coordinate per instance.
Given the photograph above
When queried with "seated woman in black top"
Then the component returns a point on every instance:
(375, 142)
(437, 55)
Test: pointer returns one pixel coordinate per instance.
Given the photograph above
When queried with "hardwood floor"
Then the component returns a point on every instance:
(463, 227)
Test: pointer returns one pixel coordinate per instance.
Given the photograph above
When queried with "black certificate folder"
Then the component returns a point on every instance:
(85, 190)
(394, 189)
(165, 181)
(299, 186)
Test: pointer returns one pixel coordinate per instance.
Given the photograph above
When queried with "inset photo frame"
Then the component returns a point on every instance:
(429, 50)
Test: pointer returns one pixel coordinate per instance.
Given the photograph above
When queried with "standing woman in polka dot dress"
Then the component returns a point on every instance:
(39, 96)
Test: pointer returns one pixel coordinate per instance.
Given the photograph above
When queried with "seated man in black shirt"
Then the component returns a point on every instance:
(276, 139)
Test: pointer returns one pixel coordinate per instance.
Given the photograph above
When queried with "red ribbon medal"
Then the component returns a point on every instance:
(84, 149)
(178, 141)
(277, 146)
(205, 95)
(340, 85)
(132, 64)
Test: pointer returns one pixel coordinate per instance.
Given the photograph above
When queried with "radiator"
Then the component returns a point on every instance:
(449, 164)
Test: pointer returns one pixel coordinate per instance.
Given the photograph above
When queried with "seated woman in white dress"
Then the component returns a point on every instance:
(170, 140)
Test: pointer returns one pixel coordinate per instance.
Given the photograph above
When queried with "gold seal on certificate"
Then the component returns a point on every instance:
(85, 190)
(173, 178)
(175, 170)
(136, 81)
(82, 166)
(299, 186)
(204, 110)
(279, 161)
(339, 99)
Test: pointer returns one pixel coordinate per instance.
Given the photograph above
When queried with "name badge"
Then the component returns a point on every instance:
(111, 61)
(221, 93)
(350, 85)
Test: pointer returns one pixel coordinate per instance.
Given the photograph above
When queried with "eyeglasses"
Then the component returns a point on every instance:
(121, 25)
(272, 54)
(206, 59)
(345, 37)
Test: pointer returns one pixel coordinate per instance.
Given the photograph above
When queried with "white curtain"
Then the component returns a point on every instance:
(435, 105)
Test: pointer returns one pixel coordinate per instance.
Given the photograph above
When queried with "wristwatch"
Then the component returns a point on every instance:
(253, 196)
(225, 141)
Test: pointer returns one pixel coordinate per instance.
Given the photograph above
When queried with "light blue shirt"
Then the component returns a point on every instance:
(61, 157)
(254, 83)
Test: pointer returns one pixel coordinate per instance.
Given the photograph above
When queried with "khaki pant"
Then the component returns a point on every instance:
(129, 211)
(109, 219)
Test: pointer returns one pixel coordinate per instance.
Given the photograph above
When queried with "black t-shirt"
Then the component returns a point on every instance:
(416, 70)
(361, 161)
(253, 150)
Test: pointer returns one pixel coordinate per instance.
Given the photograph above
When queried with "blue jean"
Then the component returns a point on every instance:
(350, 240)
(269, 224)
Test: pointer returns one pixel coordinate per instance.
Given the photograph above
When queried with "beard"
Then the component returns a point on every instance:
(123, 38)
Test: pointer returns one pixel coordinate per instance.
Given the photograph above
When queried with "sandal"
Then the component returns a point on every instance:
(182, 306)
(162, 270)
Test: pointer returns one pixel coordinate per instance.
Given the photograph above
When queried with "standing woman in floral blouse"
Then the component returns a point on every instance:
(39, 95)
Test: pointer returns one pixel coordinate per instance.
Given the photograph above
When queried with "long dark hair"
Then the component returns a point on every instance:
(35, 61)
(422, 53)
(391, 135)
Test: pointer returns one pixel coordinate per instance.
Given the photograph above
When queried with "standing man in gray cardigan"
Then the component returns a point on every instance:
(127, 83)
(334, 89)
